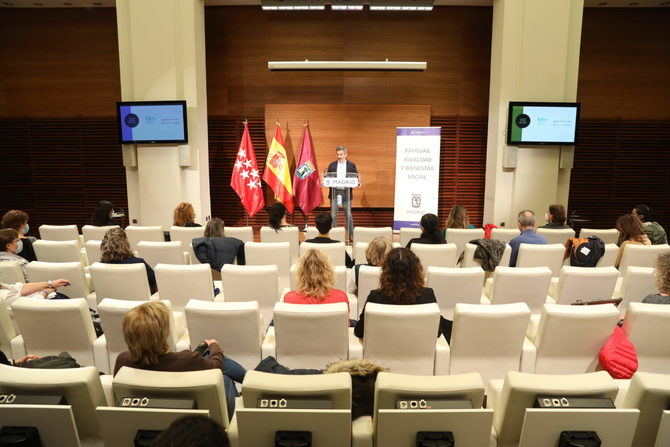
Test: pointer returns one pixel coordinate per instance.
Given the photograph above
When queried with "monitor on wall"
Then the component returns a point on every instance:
(542, 123)
(150, 122)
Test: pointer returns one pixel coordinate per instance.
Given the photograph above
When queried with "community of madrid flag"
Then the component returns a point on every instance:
(246, 180)
(277, 173)
(306, 185)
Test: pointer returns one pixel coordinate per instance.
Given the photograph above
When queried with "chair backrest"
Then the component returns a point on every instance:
(7, 332)
(137, 233)
(637, 283)
(311, 336)
(93, 233)
(436, 255)
(527, 284)
(120, 281)
(556, 235)
(586, 283)
(359, 252)
(609, 236)
(252, 283)
(609, 258)
(286, 234)
(455, 285)
(72, 271)
(402, 338)
(641, 255)
(367, 234)
(58, 251)
(521, 389)
(236, 326)
(488, 338)
(647, 327)
(11, 272)
(336, 233)
(569, 338)
(155, 253)
(541, 255)
(334, 251)
(205, 386)
(93, 250)
(52, 326)
(245, 234)
(649, 393)
(368, 280)
(460, 236)
(270, 253)
(59, 233)
(504, 234)
(185, 235)
(80, 386)
(181, 283)
(407, 233)
(470, 261)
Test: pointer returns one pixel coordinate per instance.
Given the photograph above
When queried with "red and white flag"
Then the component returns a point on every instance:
(246, 179)
(306, 184)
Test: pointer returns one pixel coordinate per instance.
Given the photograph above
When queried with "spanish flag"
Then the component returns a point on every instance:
(277, 173)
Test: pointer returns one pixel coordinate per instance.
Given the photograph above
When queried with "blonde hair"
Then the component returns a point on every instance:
(115, 246)
(183, 213)
(377, 250)
(458, 217)
(316, 276)
(662, 273)
(145, 330)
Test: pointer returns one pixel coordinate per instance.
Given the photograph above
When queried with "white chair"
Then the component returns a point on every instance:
(311, 336)
(119, 281)
(403, 338)
(569, 338)
(286, 234)
(649, 393)
(236, 326)
(336, 233)
(367, 234)
(647, 327)
(609, 236)
(137, 233)
(48, 327)
(108, 346)
(504, 234)
(340, 284)
(610, 256)
(60, 233)
(637, 283)
(519, 284)
(245, 234)
(640, 255)
(93, 250)
(406, 234)
(556, 236)
(436, 255)
(269, 253)
(93, 233)
(59, 251)
(155, 253)
(368, 280)
(80, 286)
(541, 255)
(11, 272)
(584, 283)
(491, 340)
(359, 252)
(335, 251)
(7, 330)
(470, 261)
(455, 285)
(252, 283)
(460, 236)
(185, 235)
(181, 283)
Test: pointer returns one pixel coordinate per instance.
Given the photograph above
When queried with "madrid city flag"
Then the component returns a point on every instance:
(277, 173)
(306, 184)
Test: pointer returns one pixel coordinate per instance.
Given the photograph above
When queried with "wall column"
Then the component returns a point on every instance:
(162, 57)
(534, 57)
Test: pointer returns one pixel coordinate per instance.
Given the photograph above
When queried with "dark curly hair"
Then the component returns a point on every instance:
(402, 276)
(14, 219)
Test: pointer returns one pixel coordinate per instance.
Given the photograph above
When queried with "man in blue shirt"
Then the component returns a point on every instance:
(526, 221)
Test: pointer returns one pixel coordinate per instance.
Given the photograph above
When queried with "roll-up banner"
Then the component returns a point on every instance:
(417, 174)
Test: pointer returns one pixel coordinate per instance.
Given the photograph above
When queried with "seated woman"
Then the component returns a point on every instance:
(18, 220)
(184, 216)
(401, 283)
(216, 249)
(277, 216)
(377, 250)
(315, 281)
(556, 218)
(12, 292)
(662, 274)
(146, 329)
(630, 232)
(115, 249)
(430, 231)
(102, 215)
(10, 244)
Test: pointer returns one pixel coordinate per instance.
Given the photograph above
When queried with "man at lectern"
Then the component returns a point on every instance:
(343, 168)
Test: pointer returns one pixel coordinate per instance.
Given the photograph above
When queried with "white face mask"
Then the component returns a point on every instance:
(19, 246)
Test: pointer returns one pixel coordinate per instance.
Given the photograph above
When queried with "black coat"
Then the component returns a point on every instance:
(218, 251)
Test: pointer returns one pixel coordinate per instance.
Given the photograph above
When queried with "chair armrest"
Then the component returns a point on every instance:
(18, 347)
(269, 345)
(233, 432)
(92, 300)
(100, 356)
(442, 357)
(624, 385)
(353, 306)
(494, 390)
(355, 345)
(484, 300)
(533, 324)
(528, 356)
(154, 297)
(106, 382)
(362, 432)
(488, 286)
(553, 288)
(184, 343)
(187, 258)
(283, 293)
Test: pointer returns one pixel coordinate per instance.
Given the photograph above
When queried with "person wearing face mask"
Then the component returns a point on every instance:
(10, 244)
(18, 220)
(556, 218)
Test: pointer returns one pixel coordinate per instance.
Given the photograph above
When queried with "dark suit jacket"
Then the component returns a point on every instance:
(326, 240)
(176, 361)
(427, 297)
(351, 169)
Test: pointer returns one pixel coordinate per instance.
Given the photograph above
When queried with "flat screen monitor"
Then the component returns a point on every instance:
(147, 122)
(542, 123)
